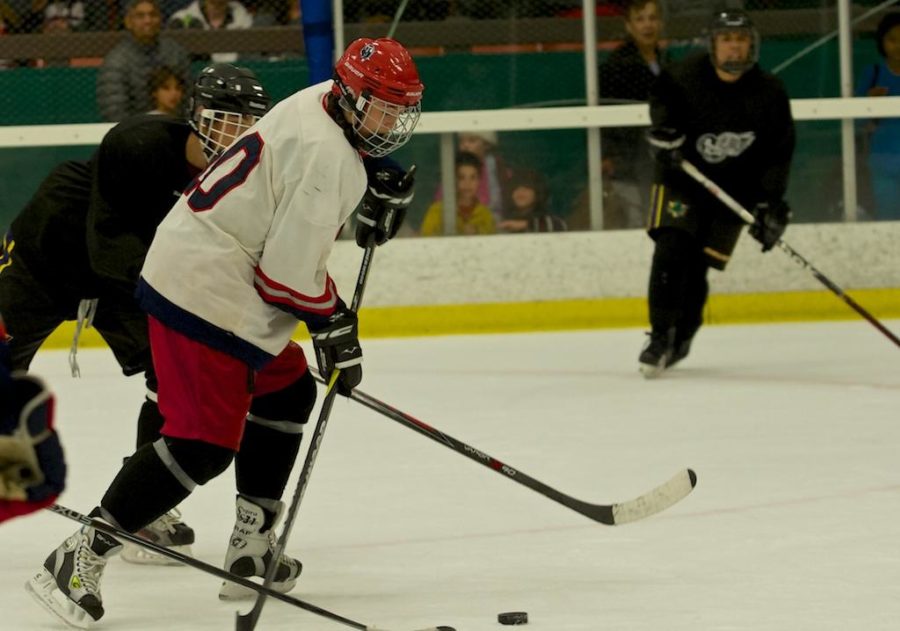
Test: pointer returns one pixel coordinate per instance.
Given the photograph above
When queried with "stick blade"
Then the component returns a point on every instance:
(657, 500)
(247, 621)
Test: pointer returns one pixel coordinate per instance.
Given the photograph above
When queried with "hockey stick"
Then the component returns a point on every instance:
(748, 217)
(650, 503)
(247, 621)
(397, 17)
(123, 535)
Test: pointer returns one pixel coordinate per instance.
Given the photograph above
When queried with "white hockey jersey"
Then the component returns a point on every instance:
(256, 231)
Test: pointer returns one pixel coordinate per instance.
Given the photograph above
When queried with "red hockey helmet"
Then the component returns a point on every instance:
(377, 81)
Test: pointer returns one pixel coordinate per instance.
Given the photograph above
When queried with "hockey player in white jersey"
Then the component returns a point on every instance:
(239, 259)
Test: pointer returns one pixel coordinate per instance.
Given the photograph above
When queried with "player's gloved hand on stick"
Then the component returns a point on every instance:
(32, 468)
(665, 146)
(389, 194)
(337, 347)
(772, 219)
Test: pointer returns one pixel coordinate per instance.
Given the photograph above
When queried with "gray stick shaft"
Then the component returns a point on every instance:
(744, 214)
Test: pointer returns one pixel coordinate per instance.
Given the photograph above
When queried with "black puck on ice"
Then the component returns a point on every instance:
(445, 628)
(513, 617)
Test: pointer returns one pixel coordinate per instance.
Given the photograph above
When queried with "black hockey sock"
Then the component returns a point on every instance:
(674, 261)
(695, 295)
(150, 422)
(263, 464)
(143, 490)
(272, 438)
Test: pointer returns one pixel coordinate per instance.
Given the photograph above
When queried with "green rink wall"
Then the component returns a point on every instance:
(456, 81)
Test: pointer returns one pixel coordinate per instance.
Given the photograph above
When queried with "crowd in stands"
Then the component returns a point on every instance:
(32, 16)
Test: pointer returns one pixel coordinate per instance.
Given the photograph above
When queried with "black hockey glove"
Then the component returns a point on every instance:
(337, 346)
(665, 146)
(389, 193)
(772, 219)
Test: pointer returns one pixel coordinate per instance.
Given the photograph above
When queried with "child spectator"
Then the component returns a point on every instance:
(527, 208)
(167, 92)
(494, 177)
(472, 217)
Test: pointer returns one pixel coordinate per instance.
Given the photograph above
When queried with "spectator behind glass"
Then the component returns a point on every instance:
(492, 186)
(213, 15)
(42, 13)
(492, 183)
(527, 209)
(626, 76)
(167, 91)
(472, 217)
(123, 78)
(881, 137)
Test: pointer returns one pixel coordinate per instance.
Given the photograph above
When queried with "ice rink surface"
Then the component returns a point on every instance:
(794, 431)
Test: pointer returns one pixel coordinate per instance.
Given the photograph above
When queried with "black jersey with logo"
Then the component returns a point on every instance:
(741, 134)
(86, 230)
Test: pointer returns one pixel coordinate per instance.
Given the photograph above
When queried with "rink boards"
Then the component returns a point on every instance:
(584, 280)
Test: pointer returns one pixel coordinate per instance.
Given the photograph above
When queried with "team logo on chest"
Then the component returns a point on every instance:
(716, 147)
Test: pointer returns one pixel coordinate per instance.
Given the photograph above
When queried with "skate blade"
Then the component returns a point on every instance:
(43, 589)
(133, 553)
(233, 591)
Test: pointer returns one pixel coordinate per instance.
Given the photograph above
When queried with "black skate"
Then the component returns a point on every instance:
(74, 571)
(680, 351)
(168, 531)
(250, 551)
(656, 354)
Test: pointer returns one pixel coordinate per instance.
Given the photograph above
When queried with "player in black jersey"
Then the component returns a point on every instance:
(84, 234)
(732, 120)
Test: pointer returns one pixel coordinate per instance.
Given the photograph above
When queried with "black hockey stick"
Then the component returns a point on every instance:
(650, 503)
(748, 217)
(122, 535)
(247, 621)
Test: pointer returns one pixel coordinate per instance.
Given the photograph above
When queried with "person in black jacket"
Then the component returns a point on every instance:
(626, 77)
(75, 251)
(123, 77)
(732, 120)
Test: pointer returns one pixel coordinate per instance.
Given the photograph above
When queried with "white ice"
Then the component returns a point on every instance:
(793, 431)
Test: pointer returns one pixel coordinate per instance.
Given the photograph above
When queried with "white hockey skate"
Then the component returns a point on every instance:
(250, 550)
(168, 531)
(68, 585)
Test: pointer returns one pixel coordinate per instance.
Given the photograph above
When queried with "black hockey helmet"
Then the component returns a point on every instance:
(730, 20)
(225, 96)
